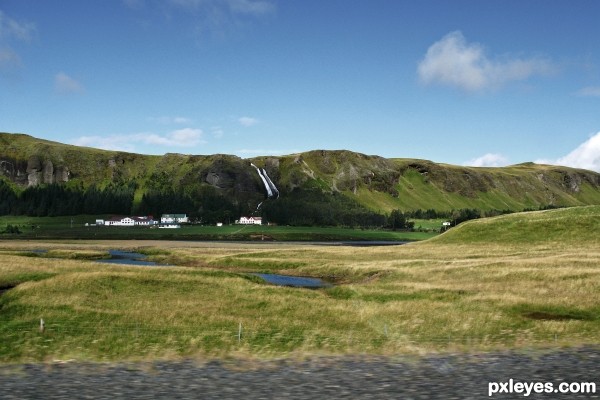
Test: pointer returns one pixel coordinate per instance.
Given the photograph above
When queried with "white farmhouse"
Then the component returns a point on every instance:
(130, 221)
(144, 221)
(250, 221)
(174, 218)
(119, 221)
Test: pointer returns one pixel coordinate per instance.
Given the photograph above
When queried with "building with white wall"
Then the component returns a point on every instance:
(249, 221)
(174, 219)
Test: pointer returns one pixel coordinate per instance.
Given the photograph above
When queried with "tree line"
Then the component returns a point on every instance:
(55, 200)
(205, 204)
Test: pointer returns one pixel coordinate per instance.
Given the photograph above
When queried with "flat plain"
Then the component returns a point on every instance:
(517, 281)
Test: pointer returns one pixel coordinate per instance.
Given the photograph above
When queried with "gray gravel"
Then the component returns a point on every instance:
(463, 376)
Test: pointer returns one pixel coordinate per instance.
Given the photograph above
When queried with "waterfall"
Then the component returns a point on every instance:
(271, 184)
(269, 191)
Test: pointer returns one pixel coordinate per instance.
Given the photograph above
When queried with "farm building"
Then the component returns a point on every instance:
(249, 221)
(129, 221)
(174, 218)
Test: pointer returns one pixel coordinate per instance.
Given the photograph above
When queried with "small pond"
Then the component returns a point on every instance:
(294, 281)
(127, 258)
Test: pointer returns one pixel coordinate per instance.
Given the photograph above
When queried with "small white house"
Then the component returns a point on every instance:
(119, 221)
(130, 221)
(250, 221)
(144, 221)
(174, 219)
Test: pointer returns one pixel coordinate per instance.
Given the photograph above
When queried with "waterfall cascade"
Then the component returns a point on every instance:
(269, 185)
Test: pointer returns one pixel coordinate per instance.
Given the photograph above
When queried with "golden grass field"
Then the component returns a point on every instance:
(518, 288)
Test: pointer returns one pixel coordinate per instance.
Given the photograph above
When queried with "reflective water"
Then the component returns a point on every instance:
(127, 258)
(294, 281)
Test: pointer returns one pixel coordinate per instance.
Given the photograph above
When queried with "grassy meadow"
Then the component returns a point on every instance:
(515, 281)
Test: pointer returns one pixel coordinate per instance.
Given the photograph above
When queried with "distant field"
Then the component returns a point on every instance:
(74, 228)
(516, 281)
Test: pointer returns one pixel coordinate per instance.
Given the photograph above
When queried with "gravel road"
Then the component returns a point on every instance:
(461, 376)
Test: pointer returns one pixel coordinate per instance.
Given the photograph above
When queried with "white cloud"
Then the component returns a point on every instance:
(64, 84)
(590, 91)
(488, 160)
(265, 152)
(248, 121)
(217, 19)
(166, 120)
(113, 142)
(452, 61)
(9, 28)
(217, 132)
(187, 137)
(586, 155)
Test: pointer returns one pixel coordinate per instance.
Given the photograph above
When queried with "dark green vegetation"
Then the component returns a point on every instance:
(73, 227)
(326, 188)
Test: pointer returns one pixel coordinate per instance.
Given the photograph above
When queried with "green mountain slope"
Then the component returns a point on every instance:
(355, 180)
(576, 225)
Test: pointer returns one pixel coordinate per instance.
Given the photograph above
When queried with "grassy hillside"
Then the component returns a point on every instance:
(568, 226)
(374, 183)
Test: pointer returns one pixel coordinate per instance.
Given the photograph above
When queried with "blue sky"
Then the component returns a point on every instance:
(480, 83)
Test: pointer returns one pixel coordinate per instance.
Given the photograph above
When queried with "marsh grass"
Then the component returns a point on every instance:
(442, 295)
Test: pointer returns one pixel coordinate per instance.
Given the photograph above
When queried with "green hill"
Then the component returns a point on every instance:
(324, 185)
(576, 225)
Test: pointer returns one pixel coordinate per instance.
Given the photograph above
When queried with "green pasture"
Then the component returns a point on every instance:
(74, 228)
(529, 280)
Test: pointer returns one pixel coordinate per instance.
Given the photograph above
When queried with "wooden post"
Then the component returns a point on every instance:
(240, 333)
(42, 325)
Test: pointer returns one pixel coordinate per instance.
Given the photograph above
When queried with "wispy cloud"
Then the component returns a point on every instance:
(9, 59)
(208, 19)
(12, 31)
(590, 91)
(265, 152)
(248, 7)
(253, 7)
(187, 137)
(248, 121)
(64, 84)
(217, 132)
(452, 61)
(488, 160)
(586, 155)
(166, 120)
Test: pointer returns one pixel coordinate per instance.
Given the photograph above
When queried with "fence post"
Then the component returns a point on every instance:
(42, 325)
(240, 333)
